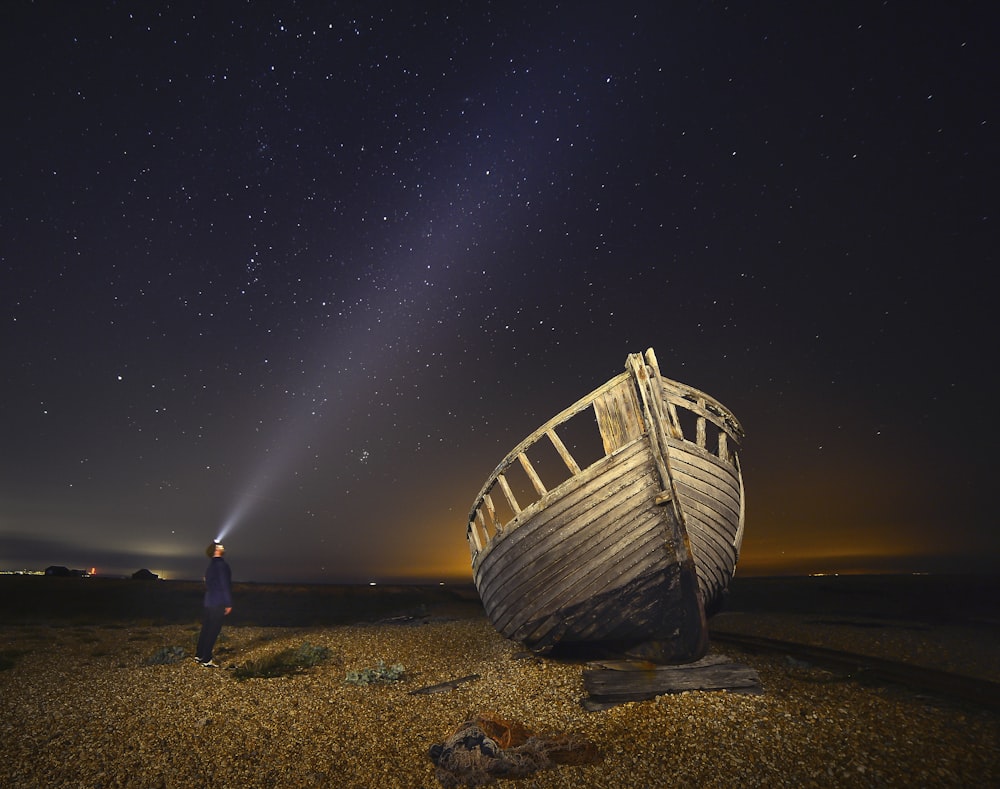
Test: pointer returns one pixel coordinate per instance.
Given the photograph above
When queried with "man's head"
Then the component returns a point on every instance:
(215, 548)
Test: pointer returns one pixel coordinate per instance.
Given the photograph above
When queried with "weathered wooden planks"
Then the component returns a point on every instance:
(664, 503)
(609, 684)
(443, 687)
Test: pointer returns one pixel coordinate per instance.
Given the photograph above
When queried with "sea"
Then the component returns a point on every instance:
(50, 600)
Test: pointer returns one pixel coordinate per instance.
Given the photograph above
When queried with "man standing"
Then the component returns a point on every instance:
(218, 603)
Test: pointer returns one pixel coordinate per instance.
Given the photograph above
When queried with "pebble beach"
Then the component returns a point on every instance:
(81, 705)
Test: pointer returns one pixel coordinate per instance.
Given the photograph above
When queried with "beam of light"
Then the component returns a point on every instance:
(264, 480)
(354, 359)
(235, 516)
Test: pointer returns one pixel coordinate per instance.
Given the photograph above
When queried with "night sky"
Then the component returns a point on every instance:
(314, 268)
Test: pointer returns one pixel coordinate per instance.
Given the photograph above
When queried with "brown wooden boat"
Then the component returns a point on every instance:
(626, 540)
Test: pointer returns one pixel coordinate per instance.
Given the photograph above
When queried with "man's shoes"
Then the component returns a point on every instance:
(209, 663)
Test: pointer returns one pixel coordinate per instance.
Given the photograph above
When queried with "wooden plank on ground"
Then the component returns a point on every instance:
(617, 682)
(443, 687)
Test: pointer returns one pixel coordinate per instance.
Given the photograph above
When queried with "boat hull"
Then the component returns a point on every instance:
(711, 497)
(630, 551)
(604, 566)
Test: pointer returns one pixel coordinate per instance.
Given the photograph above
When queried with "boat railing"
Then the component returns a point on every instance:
(693, 416)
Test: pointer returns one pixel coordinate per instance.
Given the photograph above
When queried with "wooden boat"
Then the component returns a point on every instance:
(628, 546)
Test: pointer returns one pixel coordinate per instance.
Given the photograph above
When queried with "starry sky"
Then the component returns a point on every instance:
(307, 271)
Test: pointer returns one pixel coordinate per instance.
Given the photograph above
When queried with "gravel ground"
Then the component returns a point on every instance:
(80, 707)
(961, 648)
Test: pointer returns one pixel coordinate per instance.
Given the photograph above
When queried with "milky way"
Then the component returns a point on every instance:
(312, 271)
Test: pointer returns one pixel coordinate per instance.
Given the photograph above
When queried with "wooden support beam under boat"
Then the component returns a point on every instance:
(618, 682)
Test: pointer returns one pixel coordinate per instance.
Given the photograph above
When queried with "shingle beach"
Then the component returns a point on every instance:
(81, 707)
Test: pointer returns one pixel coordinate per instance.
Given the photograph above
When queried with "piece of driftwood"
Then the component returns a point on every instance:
(611, 683)
(625, 531)
(443, 687)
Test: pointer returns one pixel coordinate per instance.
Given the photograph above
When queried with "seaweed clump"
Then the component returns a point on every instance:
(166, 655)
(284, 663)
(380, 673)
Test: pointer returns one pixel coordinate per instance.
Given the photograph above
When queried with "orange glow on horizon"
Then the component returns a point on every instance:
(427, 574)
(856, 562)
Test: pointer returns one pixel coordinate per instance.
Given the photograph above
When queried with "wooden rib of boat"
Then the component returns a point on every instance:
(628, 546)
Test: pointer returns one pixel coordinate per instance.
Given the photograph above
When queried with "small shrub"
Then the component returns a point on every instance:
(308, 655)
(381, 673)
(279, 664)
(166, 655)
(265, 667)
